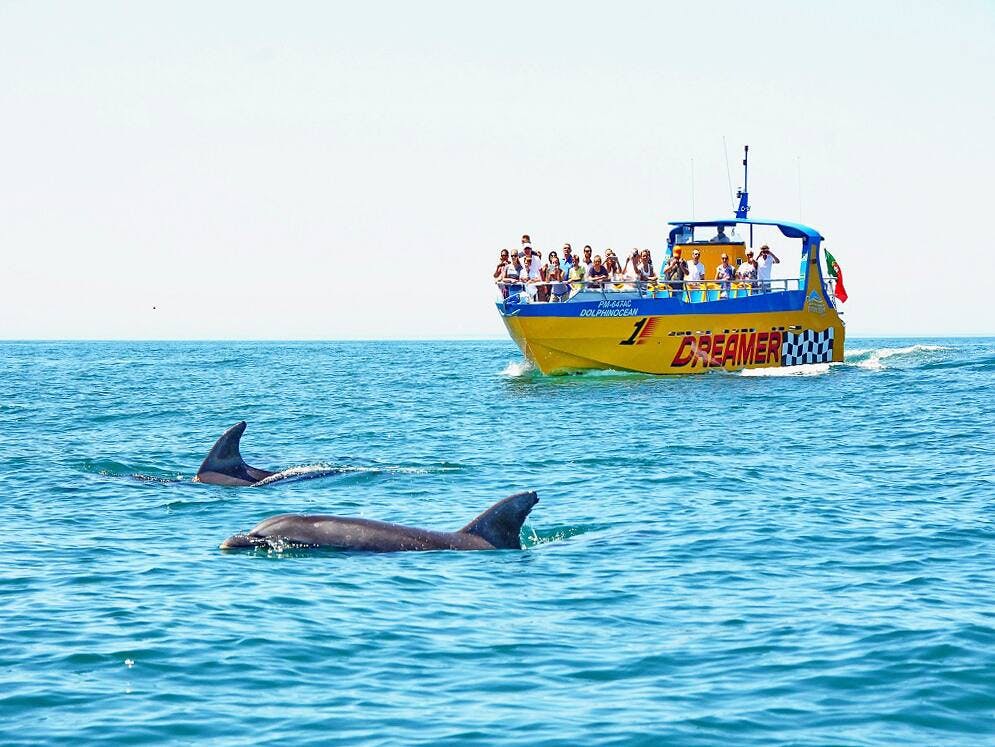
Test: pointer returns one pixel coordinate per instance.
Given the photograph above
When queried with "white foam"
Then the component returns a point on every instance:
(875, 356)
(515, 369)
(806, 369)
(320, 470)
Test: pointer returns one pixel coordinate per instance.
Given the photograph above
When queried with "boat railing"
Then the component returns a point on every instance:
(691, 291)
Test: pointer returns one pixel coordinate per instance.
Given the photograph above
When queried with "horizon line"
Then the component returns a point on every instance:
(863, 336)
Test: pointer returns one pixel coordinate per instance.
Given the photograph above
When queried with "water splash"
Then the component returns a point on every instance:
(518, 369)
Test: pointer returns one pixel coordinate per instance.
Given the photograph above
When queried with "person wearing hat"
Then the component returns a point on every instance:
(765, 262)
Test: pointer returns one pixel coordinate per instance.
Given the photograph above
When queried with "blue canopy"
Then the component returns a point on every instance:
(791, 230)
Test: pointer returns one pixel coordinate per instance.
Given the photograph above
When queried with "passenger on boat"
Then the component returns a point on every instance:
(696, 270)
(531, 258)
(576, 275)
(526, 240)
(675, 272)
(558, 290)
(597, 274)
(499, 271)
(720, 237)
(615, 273)
(568, 257)
(724, 273)
(542, 288)
(631, 260)
(512, 278)
(587, 258)
(645, 266)
(532, 267)
(632, 275)
(765, 262)
(747, 271)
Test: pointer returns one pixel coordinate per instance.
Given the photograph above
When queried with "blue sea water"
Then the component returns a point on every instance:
(738, 559)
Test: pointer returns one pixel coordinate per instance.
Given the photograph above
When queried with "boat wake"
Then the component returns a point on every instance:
(806, 369)
(870, 359)
(874, 358)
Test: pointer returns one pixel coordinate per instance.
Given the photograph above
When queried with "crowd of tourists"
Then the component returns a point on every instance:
(563, 274)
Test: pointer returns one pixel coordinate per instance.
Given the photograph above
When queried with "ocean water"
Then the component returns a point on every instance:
(738, 559)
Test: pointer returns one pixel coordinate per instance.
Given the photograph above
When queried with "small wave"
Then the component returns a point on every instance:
(312, 471)
(518, 369)
(395, 470)
(308, 472)
(872, 358)
(110, 468)
(156, 478)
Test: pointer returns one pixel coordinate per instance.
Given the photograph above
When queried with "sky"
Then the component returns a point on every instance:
(240, 170)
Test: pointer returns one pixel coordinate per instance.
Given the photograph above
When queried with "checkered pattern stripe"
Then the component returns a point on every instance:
(808, 347)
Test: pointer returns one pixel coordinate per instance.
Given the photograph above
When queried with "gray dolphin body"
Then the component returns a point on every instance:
(224, 464)
(498, 528)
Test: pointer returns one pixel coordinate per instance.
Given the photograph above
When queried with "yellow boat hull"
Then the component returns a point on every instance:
(677, 344)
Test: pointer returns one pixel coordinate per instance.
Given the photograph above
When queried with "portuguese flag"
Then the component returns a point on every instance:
(836, 272)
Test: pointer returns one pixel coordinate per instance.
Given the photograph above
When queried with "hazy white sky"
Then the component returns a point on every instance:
(317, 170)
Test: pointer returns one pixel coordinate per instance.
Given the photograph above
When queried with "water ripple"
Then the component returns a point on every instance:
(751, 559)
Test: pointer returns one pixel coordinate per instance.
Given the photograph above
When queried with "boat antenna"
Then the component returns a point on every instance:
(728, 173)
(744, 194)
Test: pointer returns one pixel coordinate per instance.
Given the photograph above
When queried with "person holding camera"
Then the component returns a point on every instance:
(765, 262)
(501, 271)
(724, 274)
(675, 272)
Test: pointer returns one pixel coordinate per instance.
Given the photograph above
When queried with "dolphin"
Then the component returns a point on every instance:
(224, 464)
(498, 528)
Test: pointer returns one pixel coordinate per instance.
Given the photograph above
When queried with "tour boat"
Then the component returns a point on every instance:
(684, 327)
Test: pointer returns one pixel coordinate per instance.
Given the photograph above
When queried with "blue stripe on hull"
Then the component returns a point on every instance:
(608, 306)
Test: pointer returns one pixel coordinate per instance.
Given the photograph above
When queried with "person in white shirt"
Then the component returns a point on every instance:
(747, 272)
(696, 270)
(532, 269)
(765, 262)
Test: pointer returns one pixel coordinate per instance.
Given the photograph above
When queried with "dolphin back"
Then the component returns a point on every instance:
(501, 524)
(224, 464)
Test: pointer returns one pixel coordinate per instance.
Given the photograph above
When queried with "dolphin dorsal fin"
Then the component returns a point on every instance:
(501, 524)
(225, 459)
